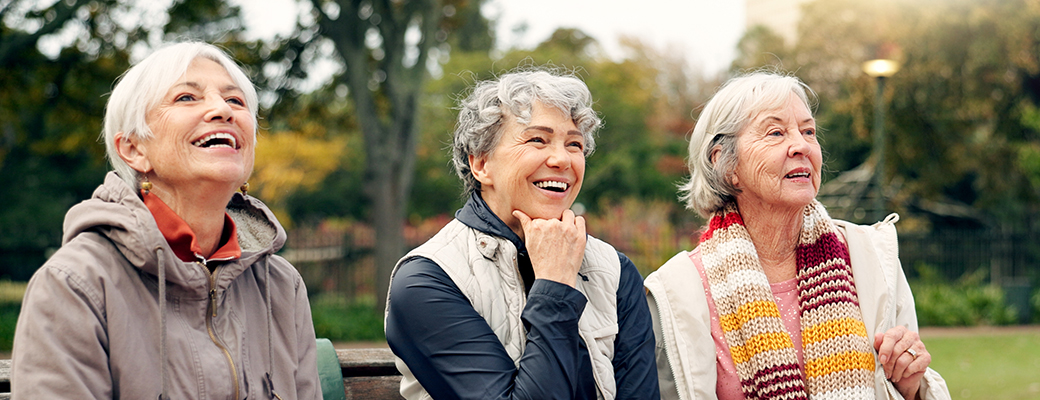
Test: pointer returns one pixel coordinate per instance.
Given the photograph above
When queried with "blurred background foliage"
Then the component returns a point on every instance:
(963, 112)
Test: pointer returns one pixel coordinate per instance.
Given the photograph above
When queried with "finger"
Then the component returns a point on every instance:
(579, 222)
(920, 363)
(888, 343)
(524, 219)
(901, 366)
(887, 349)
(567, 218)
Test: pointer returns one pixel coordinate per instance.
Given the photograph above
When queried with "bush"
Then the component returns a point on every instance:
(1035, 301)
(968, 301)
(339, 320)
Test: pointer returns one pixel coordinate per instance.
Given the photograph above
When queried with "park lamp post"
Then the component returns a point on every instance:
(880, 70)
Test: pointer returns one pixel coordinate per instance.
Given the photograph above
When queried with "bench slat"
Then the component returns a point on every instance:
(367, 374)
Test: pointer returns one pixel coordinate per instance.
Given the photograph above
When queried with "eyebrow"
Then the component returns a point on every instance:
(196, 86)
(550, 130)
(772, 118)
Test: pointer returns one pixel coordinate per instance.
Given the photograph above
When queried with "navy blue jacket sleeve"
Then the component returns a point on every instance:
(635, 369)
(454, 354)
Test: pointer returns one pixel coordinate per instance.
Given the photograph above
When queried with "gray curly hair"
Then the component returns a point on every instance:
(482, 113)
(710, 187)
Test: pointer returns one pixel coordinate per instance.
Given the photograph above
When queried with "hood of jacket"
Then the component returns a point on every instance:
(116, 212)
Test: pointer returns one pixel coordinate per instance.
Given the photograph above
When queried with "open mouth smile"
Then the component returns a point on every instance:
(217, 140)
(553, 186)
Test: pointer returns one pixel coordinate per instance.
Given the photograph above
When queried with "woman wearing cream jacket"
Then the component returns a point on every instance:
(778, 300)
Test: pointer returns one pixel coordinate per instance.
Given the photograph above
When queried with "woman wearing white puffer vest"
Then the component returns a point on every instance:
(512, 300)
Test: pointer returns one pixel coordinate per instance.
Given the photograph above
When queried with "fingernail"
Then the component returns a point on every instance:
(884, 358)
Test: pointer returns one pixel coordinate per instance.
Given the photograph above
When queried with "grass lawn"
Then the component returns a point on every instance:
(987, 363)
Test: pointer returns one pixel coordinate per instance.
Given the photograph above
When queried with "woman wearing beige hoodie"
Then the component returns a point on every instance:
(166, 284)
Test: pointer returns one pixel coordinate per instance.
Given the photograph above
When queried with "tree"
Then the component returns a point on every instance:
(958, 125)
(385, 47)
(57, 63)
(50, 115)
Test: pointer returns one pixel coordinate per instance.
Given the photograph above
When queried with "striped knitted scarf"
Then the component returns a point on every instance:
(839, 360)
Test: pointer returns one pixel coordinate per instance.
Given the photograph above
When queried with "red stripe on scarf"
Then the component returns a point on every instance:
(724, 222)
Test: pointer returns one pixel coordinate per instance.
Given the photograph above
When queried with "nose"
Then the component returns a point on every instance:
(217, 108)
(798, 145)
(559, 157)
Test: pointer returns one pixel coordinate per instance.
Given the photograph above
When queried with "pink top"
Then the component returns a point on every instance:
(786, 296)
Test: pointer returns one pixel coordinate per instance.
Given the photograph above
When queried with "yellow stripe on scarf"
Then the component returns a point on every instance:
(761, 343)
(747, 312)
(843, 361)
(832, 329)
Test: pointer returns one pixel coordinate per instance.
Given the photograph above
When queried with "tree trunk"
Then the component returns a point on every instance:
(388, 220)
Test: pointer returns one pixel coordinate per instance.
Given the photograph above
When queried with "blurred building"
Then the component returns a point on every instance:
(780, 16)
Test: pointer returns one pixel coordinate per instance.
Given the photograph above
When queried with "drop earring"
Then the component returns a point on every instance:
(244, 188)
(146, 186)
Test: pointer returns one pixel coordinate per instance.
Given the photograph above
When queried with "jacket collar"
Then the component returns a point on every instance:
(117, 212)
(477, 215)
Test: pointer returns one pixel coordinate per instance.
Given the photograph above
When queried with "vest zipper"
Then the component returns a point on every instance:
(213, 335)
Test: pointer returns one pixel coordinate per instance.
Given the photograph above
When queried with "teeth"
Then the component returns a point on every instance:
(799, 175)
(552, 185)
(231, 140)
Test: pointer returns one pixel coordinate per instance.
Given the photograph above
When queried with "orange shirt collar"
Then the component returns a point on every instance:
(181, 238)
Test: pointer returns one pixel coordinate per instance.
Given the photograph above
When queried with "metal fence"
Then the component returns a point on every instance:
(340, 260)
(1007, 256)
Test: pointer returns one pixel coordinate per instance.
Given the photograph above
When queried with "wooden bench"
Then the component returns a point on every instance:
(367, 374)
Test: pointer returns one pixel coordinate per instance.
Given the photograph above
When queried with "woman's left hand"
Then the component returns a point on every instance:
(904, 359)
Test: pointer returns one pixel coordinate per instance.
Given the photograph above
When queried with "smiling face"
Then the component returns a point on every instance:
(202, 132)
(535, 168)
(779, 158)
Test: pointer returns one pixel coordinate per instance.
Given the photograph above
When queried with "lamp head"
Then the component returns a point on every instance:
(880, 68)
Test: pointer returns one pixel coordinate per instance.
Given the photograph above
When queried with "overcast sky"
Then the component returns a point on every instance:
(706, 31)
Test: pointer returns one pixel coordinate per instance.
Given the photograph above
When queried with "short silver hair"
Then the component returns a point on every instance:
(710, 187)
(142, 87)
(482, 113)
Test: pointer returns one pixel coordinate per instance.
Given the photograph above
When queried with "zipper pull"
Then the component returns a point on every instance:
(213, 301)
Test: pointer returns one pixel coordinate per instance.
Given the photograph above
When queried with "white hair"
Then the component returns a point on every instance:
(142, 87)
(729, 111)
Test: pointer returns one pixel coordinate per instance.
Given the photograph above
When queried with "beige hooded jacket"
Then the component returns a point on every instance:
(91, 325)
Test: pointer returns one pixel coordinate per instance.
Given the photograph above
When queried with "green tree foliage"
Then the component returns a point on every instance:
(58, 62)
(386, 48)
(49, 120)
(959, 121)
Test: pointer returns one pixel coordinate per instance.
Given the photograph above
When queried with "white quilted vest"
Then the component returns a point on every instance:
(484, 267)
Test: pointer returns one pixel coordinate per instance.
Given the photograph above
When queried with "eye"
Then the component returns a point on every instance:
(236, 101)
(184, 97)
(776, 132)
(536, 139)
(809, 132)
(577, 144)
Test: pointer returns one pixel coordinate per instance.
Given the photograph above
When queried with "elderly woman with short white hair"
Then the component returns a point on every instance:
(779, 301)
(167, 284)
(512, 299)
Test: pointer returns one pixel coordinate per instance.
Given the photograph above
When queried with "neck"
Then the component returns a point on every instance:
(775, 233)
(503, 213)
(203, 211)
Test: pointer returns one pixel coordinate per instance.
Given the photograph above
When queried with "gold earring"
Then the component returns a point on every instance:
(146, 186)
(244, 188)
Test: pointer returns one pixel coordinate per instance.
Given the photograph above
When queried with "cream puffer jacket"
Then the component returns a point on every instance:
(686, 358)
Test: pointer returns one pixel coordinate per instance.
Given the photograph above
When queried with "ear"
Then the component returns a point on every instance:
(715, 154)
(479, 168)
(133, 153)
